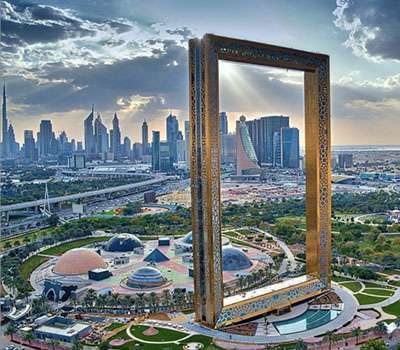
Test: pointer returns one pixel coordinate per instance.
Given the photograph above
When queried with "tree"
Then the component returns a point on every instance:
(356, 332)
(374, 344)
(28, 336)
(77, 345)
(10, 331)
(329, 337)
(53, 220)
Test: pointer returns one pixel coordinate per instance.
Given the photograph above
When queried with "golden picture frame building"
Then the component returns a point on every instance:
(211, 308)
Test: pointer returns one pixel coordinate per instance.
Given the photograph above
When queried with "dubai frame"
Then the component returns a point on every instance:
(211, 308)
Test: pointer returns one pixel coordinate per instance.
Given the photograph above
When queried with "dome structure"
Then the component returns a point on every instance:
(123, 242)
(79, 261)
(146, 277)
(234, 259)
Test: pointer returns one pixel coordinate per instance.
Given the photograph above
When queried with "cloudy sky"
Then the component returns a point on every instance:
(130, 57)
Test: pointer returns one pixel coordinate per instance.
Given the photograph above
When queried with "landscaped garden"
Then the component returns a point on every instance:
(393, 309)
(170, 336)
(62, 248)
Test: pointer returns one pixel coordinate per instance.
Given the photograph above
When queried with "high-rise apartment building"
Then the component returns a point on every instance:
(286, 148)
(89, 138)
(126, 151)
(345, 160)
(223, 118)
(145, 138)
(116, 136)
(4, 125)
(172, 135)
(155, 148)
(45, 138)
(100, 136)
(29, 146)
(262, 135)
(165, 157)
(228, 149)
(246, 158)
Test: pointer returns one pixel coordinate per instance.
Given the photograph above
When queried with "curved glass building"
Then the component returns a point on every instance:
(234, 259)
(124, 242)
(246, 158)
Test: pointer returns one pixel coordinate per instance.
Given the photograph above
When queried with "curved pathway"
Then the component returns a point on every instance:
(348, 313)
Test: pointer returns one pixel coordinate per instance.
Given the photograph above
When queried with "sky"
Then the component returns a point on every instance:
(130, 57)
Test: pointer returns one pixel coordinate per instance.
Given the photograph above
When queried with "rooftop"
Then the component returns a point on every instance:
(267, 289)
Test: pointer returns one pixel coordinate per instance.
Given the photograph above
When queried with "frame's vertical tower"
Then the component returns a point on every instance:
(205, 174)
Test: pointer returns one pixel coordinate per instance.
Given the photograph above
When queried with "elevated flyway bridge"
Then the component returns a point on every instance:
(73, 197)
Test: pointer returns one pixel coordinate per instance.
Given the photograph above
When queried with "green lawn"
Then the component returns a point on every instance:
(206, 341)
(391, 272)
(31, 264)
(62, 248)
(366, 299)
(339, 279)
(113, 326)
(353, 286)
(164, 334)
(375, 285)
(393, 309)
(376, 291)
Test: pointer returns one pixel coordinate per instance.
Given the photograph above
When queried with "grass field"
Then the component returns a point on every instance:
(62, 248)
(376, 291)
(366, 299)
(34, 234)
(375, 285)
(113, 326)
(206, 341)
(31, 264)
(339, 279)
(393, 309)
(164, 334)
(353, 286)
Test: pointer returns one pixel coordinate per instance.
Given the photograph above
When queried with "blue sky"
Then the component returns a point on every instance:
(128, 56)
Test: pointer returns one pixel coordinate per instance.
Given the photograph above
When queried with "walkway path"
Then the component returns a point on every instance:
(350, 309)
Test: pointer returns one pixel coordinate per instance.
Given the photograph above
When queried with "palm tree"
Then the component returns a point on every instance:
(11, 330)
(190, 297)
(115, 299)
(381, 327)
(356, 332)
(140, 301)
(329, 337)
(153, 300)
(77, 345)
(166, 298)
(29, 337)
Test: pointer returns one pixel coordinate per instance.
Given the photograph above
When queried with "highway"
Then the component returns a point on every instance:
(73, 197)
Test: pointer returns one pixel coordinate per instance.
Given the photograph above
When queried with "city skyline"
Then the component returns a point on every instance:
(141, 71)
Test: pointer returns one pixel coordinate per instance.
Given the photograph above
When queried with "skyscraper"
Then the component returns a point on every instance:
(45, 138)
(116, 134)
(290, 148)
(246, 158)
(4, 124)
(165, 157)
(88, 134)
(101, 136)
(145, 138)
(127, 147)
(29, 146)
(155, 148)
(187, 140)
(13, 146)
(345, 160)
(172, 135)
(262, 135)
(224, 123)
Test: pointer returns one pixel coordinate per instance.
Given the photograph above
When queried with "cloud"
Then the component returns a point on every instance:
(372, 26)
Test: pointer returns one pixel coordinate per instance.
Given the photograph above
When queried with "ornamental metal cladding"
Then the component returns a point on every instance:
(204, 55)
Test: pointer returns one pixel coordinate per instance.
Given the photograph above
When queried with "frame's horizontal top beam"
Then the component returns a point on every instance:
(251, 52)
